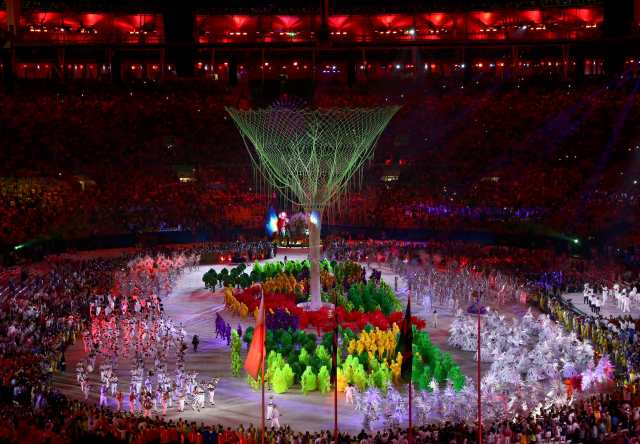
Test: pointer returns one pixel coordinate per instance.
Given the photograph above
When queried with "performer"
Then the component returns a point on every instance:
(181, 399)
(113, 382)
(147, 384)
(157, 399)
(132, 402)
(103, 395)
(585, 293)
(119, 400)
(83, 381)
(198, 399)
(348, 394)
(211, 388)
(146, 405)
(87, 390)
(195, 341)
(626, 306)
(270, 410)
(165, 400)
(275, 417)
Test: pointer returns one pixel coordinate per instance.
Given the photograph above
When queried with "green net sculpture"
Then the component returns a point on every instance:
(310, 156)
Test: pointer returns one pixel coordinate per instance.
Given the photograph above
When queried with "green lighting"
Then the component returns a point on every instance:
(576, 241)
(311, 156)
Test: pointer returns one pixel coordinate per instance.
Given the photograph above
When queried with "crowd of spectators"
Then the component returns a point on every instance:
(604, 418)
(554, 158)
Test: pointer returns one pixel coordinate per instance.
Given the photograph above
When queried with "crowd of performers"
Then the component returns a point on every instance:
(123, 319)
(447, 274)
(622, 298)
(128, 328)
(436, 278)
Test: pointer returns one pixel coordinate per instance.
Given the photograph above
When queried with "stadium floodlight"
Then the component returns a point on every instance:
(310, 156)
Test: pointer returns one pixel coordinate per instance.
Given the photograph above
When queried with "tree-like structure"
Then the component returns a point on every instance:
(311, 156)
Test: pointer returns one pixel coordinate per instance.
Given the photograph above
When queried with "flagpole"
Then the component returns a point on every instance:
(479, 378)
(335, 369)
(410, 432)
(262, 360)
(262, 403)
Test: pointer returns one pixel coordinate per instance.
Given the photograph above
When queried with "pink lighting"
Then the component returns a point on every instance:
(140, 29)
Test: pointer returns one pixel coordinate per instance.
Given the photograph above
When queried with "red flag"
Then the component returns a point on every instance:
(255, 357)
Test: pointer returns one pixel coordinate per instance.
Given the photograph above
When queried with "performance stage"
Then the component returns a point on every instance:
(195, 307)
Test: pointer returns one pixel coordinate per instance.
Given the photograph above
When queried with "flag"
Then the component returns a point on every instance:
(256, 354)
(405, 344)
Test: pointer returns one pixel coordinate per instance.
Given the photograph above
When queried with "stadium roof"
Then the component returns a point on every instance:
(263, 6)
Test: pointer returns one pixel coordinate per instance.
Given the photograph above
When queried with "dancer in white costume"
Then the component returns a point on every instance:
(269, 414)
(115, 333)
(103, 395)
(626, 302)
(616, 294)
(113, 383)
(275, 417)
(198, 398)
(349, 394)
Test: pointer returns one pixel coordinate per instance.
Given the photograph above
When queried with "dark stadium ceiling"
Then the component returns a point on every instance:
(260, 6)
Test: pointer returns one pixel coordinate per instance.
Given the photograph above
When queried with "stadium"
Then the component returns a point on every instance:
(319, 221)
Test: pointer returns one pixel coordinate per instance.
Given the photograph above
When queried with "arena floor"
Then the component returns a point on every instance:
(236, 403)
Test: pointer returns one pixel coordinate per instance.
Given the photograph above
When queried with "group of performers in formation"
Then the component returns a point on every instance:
(622, 297)
(128, 325)
(454, 287)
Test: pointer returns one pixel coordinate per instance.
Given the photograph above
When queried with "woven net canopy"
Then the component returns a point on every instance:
(310, 155)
